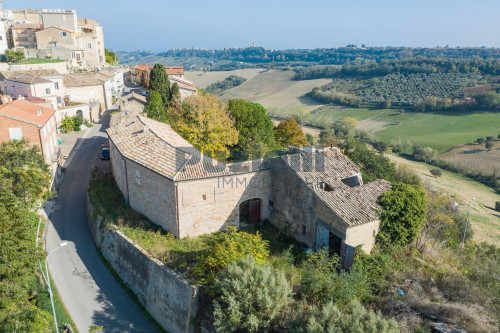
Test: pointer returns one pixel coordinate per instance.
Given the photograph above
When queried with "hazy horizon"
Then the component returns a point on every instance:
(153, 25)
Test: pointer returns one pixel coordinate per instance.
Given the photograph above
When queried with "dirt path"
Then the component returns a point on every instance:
(484, 219)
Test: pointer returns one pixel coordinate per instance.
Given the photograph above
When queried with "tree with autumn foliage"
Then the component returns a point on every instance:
(288, 133)
(204, 121)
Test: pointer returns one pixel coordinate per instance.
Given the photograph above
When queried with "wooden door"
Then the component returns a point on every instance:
(322, 237)
(254, 211)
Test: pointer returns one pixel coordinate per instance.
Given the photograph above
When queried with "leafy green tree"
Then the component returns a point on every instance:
(387, 104)
(175, 92)
(228, 246)
(205, 122)
(480, 140)
(489, 100)
(373, 166)
(24, 165)
(288, 133)
(488, 145)
(24, 177)
(158, 81)
(380, 146)
(436, 172)
(250, 297)
(490, 138)
(111, 57)
(327, 138)
(330, 319)
(404, 210)
(253, 124)
(155, 108)
(14, 56)
(310, 139)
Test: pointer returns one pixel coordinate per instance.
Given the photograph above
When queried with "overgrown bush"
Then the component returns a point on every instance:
(226, 247)
(436, 172)
(497, 206)
(353, 319)
(402, 216)
(250, 297)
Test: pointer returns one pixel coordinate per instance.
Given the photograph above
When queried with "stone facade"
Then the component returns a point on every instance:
(319, 196)
(209, 205)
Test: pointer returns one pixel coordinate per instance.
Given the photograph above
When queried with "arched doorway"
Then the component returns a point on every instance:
(79, 113)
(250, 211)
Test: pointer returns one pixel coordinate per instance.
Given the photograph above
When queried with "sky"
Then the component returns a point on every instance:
(160, 25)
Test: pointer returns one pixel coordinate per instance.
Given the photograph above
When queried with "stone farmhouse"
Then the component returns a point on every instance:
(318, 195)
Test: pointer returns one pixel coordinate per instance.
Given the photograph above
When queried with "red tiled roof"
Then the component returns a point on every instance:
(142, 67)
(184, 86)
(173, 70)
(26, 112)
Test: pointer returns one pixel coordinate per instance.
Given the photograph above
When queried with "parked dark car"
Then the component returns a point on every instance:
(105, 154)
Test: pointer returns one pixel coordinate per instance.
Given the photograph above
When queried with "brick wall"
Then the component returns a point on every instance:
(209, 205)
(44, 138)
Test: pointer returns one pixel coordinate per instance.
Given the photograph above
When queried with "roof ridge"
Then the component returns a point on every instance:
(169, 144)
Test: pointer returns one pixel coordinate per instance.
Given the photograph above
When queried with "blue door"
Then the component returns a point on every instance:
(322, 237)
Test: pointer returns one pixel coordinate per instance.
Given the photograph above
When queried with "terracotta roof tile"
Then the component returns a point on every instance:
(27, 78)
(142, 67)
(26, 112)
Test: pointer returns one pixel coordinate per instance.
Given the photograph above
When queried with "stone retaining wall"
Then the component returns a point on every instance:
(167, 295)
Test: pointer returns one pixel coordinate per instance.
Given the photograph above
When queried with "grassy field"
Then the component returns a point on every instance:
(272, 88)
(484, 219)
(439, 131)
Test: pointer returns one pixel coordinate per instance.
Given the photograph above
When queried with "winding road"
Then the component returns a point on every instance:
(87, 288)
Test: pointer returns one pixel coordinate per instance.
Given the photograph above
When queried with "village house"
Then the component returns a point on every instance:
(23, 35)
(318, 195)
(140, 75)
(45, 88)
(20, 119)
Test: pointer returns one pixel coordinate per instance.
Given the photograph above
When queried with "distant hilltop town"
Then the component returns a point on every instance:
(57, 34)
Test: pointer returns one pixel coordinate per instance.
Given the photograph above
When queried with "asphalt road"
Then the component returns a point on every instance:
(88, 290)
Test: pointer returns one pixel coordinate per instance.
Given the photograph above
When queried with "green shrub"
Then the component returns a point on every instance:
(436, 172)
(67, 124)
(402, 216)
(226, 247)
(331, 319)
(497, 206)
(250, 297)
(77, 121)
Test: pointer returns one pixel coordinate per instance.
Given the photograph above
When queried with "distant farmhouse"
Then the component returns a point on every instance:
(318, 194)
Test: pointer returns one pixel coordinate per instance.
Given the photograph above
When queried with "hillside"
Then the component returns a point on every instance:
(484, 219)
(274, 89)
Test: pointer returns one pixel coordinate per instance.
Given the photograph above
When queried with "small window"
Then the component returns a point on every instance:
(64, 34)
(0, 37)
(15, 133)
(204, 197)
(304, 229)
(138, 177)
(89, 45)
(56, 85)
(47, 91)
